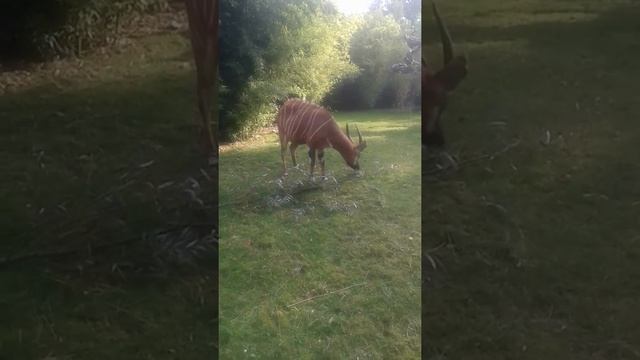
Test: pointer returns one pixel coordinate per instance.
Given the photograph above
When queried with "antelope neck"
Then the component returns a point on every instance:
(342, 144)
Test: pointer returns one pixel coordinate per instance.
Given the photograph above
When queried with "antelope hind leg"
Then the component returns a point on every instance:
(293, 148)
(283, 151)
(312, 157)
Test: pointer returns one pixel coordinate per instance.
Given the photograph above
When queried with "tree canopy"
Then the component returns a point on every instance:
(274, 48)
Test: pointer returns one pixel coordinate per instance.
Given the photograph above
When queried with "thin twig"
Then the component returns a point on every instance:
(116, 189)
(432, 250)
(492, 155)
(477, 158)
(326, 294)
(245, 199)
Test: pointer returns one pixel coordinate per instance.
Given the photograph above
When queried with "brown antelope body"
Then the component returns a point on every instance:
(437, 86)
(300, 122)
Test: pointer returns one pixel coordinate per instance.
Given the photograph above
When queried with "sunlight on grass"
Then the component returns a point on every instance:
(346, 250)
(73, 145)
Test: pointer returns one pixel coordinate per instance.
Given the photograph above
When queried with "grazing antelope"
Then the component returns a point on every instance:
(300, 122)
(436, 87)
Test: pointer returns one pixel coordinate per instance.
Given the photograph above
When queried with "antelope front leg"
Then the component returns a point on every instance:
(321, 160)
(293, 148)
(312, 157)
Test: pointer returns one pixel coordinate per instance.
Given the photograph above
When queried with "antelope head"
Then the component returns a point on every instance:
(436, 87)
(354, 156)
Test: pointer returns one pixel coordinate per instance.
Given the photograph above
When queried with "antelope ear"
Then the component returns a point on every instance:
(452, 74)
(362, 145)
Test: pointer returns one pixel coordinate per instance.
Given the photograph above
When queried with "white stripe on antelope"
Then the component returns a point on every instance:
(304, 123)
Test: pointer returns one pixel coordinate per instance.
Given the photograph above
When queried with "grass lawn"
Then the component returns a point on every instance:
(97, 151)
(536, 250)
(353, 242)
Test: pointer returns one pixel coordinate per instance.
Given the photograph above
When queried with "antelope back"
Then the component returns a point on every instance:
(303, 122)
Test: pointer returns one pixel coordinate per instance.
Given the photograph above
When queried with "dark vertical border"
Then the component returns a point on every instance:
(203, 18)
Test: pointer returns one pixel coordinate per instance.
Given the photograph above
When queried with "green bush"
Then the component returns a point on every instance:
(92, 23)
(292, 47)
(377, 44)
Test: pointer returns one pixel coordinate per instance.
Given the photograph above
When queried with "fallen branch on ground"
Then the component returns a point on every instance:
(477, 158)
(326, 294)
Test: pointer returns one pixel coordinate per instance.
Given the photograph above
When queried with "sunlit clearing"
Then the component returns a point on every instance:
(351, 7)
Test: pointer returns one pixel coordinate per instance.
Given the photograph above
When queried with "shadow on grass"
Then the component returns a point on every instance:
(69, 149)
(533, 249)
(607, 39)
(108, 176)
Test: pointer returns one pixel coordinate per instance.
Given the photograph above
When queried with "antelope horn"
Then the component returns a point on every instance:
(349, 136)
(359, 135)
(447, 48)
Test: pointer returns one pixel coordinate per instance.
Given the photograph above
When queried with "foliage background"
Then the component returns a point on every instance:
(308, 49)
(42, 29)
(269, 50)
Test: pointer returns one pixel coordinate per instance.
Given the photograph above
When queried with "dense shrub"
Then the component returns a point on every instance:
(20, 21)
(43, 28)
(270, 49)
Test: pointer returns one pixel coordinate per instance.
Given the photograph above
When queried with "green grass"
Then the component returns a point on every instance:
(536, 251)
(359, 230)
(68, 138)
